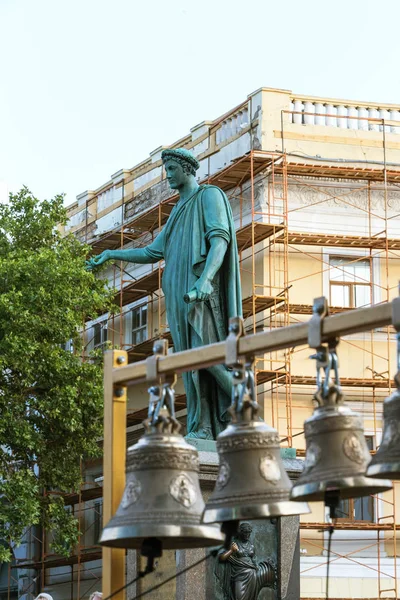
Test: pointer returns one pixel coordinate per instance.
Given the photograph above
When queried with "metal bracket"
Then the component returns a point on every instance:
(236, 331)
(244, 399)
(120, 359)
(161, 392)
(160, 348)
(244, 405)
(326, 357)
(320, 311)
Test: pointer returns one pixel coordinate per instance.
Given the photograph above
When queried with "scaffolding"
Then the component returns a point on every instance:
(269, 239)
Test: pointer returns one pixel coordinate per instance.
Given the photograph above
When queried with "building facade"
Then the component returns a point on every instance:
(314, 185)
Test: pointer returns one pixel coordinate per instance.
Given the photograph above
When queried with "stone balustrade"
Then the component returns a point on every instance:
(232, 125)
(344, 115)
(77, 219)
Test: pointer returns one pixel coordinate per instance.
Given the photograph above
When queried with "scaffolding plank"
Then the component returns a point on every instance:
(262, 231)
(85, 495)
(141, 351)
(241, 170)
(145, 222)
(255, 304)
(139, 288)
(341, 172)
(351, 526)
(306, 309)
(338, 241)
(110, 241)
(351, 382)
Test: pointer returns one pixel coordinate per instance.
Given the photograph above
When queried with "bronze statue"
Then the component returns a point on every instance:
(237, 571)
(201, 284)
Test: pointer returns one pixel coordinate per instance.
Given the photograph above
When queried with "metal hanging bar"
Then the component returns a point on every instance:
(339, 325)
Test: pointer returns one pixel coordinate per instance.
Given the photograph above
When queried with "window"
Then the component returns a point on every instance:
(358, 509)
(99, 334)
(350, 282)
(139, 325)
(68, 346)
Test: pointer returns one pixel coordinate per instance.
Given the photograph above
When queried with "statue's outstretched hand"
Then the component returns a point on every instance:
(96, 261)
(234, 547)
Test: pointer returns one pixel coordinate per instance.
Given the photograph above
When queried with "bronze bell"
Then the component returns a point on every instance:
(386, 462)
(252, 482)
(337, 455)
(162, 498)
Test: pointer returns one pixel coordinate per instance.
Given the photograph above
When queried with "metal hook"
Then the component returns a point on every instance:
(325, 356)
(162, 396)
(244, 405)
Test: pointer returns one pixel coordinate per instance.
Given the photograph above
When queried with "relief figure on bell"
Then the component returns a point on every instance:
(201, 284)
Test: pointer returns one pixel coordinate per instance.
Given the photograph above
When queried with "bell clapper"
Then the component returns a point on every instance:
(230, 529)
(151, 549)
(332, 499)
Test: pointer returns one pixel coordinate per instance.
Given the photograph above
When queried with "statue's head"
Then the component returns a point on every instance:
(245, 530)
(180, 166)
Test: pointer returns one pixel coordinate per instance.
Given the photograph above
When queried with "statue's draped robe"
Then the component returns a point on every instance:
(240, 577)
(184, 243)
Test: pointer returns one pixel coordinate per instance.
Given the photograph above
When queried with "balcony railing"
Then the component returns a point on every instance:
(232, 125)
(344, 115)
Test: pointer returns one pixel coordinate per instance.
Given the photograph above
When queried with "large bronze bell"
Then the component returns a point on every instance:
(386, 462)
(252, 482)
(162, 498)
(337, 455)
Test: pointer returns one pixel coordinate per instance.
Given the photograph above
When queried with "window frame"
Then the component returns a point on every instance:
(102, 327)
(353, 253)
(140, 309)
(351, 285)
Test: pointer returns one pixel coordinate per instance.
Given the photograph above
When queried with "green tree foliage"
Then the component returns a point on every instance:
(50, 400)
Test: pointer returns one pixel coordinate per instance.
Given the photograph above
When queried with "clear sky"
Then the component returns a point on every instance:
(92, 86)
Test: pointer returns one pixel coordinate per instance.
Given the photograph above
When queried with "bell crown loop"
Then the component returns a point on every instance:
(244, 407)
(161, 414)
(328, 391)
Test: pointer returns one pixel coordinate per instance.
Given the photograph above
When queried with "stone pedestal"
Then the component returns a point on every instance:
(275, 540)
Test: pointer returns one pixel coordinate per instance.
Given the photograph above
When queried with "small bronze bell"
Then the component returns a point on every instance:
(252, 482)
(386, 462)
(162, 498)
(336, 451)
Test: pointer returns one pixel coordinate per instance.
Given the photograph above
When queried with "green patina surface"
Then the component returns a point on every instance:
(198, 244)
(211, 446)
